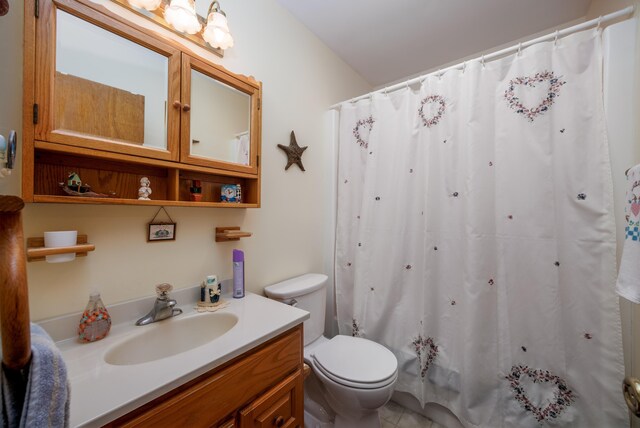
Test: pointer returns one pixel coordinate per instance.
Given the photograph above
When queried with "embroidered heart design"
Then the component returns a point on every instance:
(364, 124)
(355, 328)
(433, 120)
(427, 351)
(635, 208)
(563, 397)
(531, 81)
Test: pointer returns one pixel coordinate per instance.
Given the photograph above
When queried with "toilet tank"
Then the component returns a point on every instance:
(307, 292)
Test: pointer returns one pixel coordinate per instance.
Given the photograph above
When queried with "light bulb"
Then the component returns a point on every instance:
(181, 14)
(216, 33)
(145, 4)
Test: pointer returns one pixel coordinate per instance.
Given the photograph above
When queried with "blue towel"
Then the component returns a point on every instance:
(39, 395)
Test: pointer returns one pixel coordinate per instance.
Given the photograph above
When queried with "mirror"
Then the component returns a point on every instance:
(220, 120)
(107, 86)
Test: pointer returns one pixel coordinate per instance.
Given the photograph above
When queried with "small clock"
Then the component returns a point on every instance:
(230, 193)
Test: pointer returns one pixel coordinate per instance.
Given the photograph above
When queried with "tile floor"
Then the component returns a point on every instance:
(395, 416)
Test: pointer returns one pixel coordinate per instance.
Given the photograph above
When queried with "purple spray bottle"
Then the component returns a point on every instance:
(238, 274)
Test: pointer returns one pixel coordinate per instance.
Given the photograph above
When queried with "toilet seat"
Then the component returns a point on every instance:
(356, 362)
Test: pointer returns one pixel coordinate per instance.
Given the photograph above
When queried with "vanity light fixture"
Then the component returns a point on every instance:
(145, 4)
(181, 15)
(216, 33)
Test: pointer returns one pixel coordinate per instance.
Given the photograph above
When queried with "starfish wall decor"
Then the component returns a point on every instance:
(294, 152)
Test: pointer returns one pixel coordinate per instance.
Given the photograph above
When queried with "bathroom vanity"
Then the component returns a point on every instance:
(250, 375)
(260, 388)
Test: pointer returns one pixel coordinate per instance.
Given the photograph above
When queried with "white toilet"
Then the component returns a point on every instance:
(351, 377)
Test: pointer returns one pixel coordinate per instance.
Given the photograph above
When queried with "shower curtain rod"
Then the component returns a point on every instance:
(559, 33)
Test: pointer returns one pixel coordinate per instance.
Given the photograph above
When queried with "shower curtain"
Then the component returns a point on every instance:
(475, 238)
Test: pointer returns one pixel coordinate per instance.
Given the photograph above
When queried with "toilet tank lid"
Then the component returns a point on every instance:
(297, 286)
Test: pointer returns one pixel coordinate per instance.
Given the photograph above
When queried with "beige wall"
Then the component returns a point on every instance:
(301, 78)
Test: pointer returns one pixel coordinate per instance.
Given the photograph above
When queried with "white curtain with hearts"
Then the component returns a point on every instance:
(475, 238)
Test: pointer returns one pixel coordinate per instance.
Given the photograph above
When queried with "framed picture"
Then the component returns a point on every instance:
(161, 232)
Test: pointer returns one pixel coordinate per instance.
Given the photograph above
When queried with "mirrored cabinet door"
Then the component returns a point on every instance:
(220, 120)
(105, 86)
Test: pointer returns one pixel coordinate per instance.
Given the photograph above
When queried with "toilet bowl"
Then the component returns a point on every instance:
(352, 377)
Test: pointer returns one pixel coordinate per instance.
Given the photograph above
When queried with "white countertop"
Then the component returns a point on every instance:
(101, 392)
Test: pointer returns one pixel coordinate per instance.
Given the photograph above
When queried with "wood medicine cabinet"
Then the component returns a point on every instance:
(115, 102)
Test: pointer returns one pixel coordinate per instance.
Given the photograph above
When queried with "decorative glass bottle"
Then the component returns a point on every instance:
(95, 322)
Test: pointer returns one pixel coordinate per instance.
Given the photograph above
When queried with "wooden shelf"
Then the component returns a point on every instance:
(36, 251)
(120, 201)
(170, 182)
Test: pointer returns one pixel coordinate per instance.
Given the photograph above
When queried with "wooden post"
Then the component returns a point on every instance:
(14, 297)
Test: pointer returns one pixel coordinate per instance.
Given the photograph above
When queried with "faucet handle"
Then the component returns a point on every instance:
(162, 290)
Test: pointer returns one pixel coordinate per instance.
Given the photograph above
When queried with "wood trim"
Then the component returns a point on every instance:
(217, 394)
(28, 97)
(173, 184)
(78, 140)
(88, 152)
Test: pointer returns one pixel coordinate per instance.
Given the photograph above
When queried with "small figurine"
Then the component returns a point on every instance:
(75, 187)
(144, 191)
(74, 182)
(196, 190)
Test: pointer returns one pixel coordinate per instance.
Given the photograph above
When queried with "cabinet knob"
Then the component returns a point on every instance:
(186, 107)
(279, 421)
(177, 104)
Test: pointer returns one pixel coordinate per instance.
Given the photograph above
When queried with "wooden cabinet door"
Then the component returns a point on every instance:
(101, 84)
(221, 119)
(281, 406)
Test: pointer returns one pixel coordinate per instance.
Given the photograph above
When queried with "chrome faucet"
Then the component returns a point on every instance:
(163, 307)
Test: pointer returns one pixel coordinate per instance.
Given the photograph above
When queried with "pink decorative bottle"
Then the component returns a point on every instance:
(95, 322)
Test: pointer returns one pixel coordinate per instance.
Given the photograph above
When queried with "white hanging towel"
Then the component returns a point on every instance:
(242, 144)
(628, 285)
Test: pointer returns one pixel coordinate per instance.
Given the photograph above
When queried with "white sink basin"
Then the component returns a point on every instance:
(170, 337)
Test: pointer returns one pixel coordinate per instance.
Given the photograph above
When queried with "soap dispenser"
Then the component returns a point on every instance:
(95, 322)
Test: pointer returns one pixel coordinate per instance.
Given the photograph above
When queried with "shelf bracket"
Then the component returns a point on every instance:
(230, 233)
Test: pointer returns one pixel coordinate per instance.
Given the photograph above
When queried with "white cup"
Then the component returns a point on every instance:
(66, 238)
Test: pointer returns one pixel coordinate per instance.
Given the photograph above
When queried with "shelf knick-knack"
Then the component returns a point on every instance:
(145, 189)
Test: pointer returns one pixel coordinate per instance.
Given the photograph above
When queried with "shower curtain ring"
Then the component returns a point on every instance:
(520, 49)
(599, 22)
(464, 67)
(555, 40)
(482, 61)
(439, 74)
